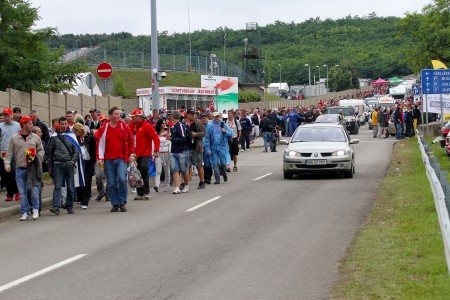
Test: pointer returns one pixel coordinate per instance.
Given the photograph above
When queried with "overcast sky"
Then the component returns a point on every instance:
(108, 16)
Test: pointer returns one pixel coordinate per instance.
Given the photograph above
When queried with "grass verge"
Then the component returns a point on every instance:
(399, 253)
(439, 153)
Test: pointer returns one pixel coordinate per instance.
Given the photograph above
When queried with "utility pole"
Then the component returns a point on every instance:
(155, 62)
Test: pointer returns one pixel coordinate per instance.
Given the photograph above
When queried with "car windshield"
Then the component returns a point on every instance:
(319, 134)
(327, 118)
(348, 111)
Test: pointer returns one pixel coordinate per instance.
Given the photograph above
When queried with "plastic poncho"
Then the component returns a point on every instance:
(216, 143)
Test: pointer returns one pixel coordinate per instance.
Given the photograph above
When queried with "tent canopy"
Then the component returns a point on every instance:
(380, 81)
(395, 80)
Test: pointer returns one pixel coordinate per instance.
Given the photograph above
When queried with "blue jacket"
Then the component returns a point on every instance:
(178, 138)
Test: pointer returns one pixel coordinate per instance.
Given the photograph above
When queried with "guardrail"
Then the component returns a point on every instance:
(441, 194)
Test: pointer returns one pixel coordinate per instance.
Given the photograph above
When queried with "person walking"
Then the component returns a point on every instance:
(235, 127)
(246, 127)
(179, 153)
(27, 149)
(375, 123)
(37, 122)
(62, 159)
(398, 123)
(144, 136)
(115, 145)
(266, 127)
(163, 159)
(216, 146)
(196, 145)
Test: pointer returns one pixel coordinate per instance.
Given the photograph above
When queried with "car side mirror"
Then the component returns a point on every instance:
(354, 141)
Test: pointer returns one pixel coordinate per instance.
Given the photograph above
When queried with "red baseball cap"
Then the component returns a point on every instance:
(136, 112)
(7, 111)
(24, 119)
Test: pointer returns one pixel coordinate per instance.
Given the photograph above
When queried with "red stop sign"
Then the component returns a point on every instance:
(104, 70)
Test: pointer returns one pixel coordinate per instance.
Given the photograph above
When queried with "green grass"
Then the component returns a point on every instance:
(399, 253)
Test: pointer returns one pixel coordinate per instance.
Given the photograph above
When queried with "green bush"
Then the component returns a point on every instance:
(246, 96)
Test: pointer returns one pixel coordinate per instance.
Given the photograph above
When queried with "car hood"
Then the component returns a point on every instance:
(317, 146)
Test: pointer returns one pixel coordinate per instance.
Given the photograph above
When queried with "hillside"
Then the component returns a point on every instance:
(372, 44)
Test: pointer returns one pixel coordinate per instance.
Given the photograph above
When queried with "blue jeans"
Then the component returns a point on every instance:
(63, 171)
(116, 178)
(267, 136)
(21, 180)
(398, 129)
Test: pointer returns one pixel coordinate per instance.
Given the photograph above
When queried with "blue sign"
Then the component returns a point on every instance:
(435, 81)
(416, 90)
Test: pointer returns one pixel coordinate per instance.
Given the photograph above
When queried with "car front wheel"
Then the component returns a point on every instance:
(349, 173)
(287, 175)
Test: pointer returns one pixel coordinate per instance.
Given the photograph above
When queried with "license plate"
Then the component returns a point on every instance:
(316, 162)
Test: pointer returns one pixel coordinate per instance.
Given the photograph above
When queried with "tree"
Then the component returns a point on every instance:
(26, 62)
(429, 33)
(343, 77)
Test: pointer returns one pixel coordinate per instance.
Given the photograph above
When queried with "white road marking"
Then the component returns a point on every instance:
(256, 179)
(203, 204)
(41, 272)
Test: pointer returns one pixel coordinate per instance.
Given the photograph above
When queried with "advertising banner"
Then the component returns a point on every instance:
(433, 103)
(225, 88)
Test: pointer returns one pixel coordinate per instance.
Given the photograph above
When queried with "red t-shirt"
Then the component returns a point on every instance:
(114, 147)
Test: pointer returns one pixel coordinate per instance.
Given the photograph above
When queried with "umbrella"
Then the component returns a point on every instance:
(380, 81)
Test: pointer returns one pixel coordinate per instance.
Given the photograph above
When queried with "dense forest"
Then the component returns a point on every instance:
(371, 44)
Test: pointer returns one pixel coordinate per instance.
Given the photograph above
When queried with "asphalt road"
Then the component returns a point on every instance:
(262, 239)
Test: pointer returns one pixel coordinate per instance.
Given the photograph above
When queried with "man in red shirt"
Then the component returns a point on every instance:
(144, 135)
(115, 145)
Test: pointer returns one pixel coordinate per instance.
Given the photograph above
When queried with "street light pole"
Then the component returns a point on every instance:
(309, 77)
(155, 62)
(319, 81)
(279, 91)
(327, 76)
(224, 53)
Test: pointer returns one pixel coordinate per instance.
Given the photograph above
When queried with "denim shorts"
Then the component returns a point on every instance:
(195, 158)
(178, 162)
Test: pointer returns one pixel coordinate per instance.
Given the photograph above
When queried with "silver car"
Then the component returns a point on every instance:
(319, 148)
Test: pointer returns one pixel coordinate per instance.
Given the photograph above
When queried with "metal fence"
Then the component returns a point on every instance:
(441, 193)
(167, 62)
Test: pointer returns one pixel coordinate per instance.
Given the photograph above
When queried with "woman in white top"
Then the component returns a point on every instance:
(163, 158)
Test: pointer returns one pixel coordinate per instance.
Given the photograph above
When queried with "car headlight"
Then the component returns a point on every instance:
(291, 153)
(341, 152)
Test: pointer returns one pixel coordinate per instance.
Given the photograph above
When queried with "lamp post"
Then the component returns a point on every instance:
(319, 80)
(224, 53)
(155, 61)
(327, 76)
(279, 91)
(309, 77)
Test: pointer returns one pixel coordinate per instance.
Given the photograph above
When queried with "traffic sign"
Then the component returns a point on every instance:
(106, 86)
(435, 81)
(104, 70)
(90, 81)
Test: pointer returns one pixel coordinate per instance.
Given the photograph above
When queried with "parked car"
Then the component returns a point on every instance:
(319, 148)
(350, 114)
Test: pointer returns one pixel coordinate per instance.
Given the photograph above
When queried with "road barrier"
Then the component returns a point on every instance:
(441, 193)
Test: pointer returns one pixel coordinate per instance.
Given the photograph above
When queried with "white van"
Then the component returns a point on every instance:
(360, 106)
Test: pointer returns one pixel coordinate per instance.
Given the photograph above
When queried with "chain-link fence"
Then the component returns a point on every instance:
(167, 62)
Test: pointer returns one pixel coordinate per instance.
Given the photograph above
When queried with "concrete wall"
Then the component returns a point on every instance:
(52, 105)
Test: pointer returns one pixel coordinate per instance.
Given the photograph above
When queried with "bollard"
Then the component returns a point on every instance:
(443, 179)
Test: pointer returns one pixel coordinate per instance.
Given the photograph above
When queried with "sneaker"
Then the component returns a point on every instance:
(242, 150)
(139, 197)
(54, 210)
(176, 191)
(186, 189)
(217, 182)
(70, 210)
(156, 189)
(146, 197)
(83, 206)
(208, 181)
(167, 189)
(115, 208)
(24, 217)
(123, 207)
(133, 190)
(225, 178)
(35, 213)
(99, 198)
(201, 185)
(182, 186)
(17, 197)
(8, 198)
